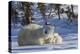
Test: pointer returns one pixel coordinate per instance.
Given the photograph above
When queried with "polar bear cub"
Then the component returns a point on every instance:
(51, 36)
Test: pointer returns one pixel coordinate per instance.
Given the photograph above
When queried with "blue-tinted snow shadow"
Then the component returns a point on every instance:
(62, 27)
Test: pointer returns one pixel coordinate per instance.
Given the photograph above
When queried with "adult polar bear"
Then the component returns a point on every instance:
(33, 34)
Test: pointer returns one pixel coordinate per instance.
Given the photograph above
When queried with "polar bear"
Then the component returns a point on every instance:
(51, 36)
(33, 34)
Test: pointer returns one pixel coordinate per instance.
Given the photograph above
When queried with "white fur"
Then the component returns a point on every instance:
(59, 38)
(32, 26)
(33, 34)
(54, 38)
